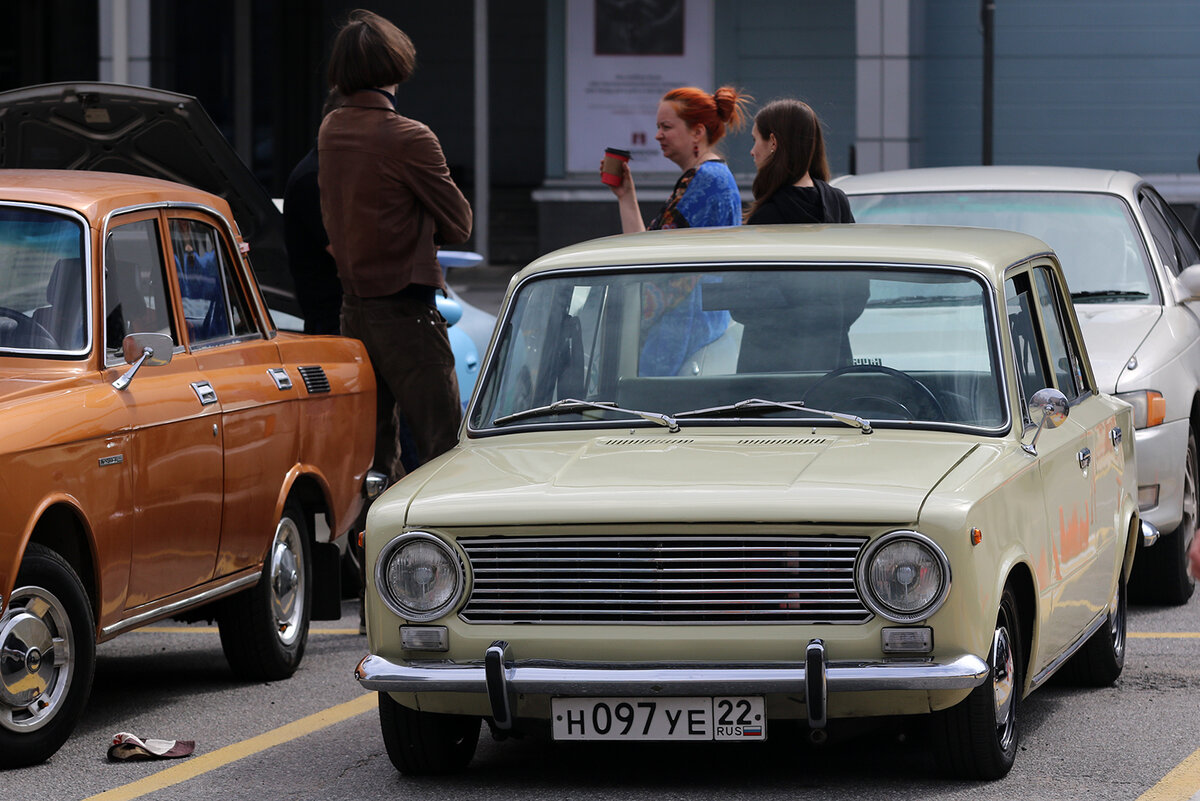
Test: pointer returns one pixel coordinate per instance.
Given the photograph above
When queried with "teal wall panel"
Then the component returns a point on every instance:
(1077, 83)
(790, 48)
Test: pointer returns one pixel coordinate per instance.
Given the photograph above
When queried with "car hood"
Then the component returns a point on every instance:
(1113, 332)
(647, 478)
(141, 131)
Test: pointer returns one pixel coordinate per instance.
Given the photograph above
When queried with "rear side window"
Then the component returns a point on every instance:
(215, 307)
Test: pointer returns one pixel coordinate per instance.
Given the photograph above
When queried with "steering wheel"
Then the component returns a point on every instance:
(919, 390)
(26, 333)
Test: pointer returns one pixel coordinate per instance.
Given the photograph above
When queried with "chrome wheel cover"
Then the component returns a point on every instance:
(286, 577)
(36, 659)
(1004, 687)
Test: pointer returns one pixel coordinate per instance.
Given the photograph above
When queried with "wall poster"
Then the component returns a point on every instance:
(622, 56)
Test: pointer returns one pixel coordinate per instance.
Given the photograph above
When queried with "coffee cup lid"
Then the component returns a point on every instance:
(616, 151)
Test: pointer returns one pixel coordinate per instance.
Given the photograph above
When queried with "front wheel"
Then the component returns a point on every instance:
(978, 738)
(47, 659)
(264, 629)
(422, 743)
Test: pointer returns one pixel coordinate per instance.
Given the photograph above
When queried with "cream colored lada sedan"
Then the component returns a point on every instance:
(715, 482)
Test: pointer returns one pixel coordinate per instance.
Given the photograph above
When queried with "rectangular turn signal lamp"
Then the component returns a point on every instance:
(917, 640)
(424, 638)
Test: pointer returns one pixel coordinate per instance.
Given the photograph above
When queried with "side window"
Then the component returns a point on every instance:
(1160, 232)
(1027, 345)
(1186, 245)
(135, 287)
(214, 304)
(1064, 355)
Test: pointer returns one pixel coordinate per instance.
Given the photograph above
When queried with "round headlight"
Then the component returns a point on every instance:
(904, 576)
(418, 576)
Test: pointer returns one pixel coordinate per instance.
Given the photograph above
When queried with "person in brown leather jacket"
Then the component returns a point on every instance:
(387, 201)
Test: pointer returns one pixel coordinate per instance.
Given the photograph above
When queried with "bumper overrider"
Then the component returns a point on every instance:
(501, 677)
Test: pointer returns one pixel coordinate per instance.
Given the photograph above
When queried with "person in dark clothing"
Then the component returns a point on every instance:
(791, 185)
(314, 272)
(388, 202)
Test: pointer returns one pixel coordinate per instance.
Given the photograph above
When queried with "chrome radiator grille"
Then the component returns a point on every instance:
(662, 580)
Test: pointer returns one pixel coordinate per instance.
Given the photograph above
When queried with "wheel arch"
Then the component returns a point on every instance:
(62, 527)
(1020, 578)
(308, 488)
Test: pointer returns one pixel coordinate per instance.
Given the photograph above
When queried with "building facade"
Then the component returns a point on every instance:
(518, 92)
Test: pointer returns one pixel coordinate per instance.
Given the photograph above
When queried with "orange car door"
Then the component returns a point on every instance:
(258, 418)
(177, 450)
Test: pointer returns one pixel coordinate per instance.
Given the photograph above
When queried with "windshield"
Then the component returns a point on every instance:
(837, 346)
(42, 287)
(1094, 235)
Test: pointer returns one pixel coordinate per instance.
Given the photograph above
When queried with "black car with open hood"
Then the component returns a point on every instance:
(143, 131)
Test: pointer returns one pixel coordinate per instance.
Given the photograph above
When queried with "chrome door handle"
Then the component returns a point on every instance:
(1115, 436)
(205, 392)
(1085, 458)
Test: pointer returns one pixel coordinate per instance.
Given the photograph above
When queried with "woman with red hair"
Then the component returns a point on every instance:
(690, 122)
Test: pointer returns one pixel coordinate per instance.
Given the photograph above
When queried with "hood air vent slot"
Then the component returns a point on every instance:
(315, 380)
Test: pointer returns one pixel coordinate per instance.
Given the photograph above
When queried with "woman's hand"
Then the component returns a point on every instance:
(625, 187)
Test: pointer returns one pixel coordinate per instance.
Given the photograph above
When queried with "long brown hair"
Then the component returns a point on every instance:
(799, 148)
(724, 108)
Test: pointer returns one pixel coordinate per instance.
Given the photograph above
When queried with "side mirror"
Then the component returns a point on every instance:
(1190, 279)
(138, 349)
(1049, 408)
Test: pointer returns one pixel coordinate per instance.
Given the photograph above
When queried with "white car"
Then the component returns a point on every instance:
(1134, 273)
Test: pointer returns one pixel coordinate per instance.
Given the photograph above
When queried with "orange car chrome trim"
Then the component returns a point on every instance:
(228, 586)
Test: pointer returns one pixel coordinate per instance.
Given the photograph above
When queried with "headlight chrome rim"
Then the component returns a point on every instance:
(879, 607)
(385, 589)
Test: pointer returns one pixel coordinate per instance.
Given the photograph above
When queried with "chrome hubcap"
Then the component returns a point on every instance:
(36, 663)
(287, 581)
(1003, 686)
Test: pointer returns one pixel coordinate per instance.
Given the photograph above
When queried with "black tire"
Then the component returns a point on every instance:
(425, 743)
(264, 629)
(1100, 662)
(1160, 572)
(48, 640)
(979, 737)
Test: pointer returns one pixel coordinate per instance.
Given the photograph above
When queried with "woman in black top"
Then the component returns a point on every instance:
(791, 184)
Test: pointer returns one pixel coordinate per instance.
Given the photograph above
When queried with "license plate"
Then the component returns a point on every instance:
(722, 718)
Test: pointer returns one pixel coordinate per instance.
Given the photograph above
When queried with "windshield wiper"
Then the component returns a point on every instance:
(1108, 294)
(768, 405)
(567, 405)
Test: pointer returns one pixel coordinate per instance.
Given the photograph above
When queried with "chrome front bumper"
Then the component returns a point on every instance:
(501, 677)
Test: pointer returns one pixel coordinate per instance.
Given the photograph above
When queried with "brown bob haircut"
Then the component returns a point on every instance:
(370, 51)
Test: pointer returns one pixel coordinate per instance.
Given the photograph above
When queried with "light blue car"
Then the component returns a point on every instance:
(470, 327)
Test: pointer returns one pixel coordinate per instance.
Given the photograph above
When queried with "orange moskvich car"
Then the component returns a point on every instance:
(164, 450)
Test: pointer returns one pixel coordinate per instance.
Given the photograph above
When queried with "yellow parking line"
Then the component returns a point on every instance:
(1180, 784)
(1164, 635)
(195, 766)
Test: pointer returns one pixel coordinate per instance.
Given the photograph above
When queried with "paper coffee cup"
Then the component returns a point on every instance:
(611, 168)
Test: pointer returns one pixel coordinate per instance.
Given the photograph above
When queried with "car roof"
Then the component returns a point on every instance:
(95, 194)
(992, 178)
(989, 251)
